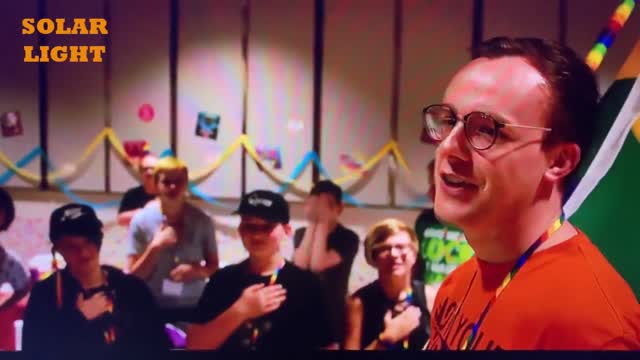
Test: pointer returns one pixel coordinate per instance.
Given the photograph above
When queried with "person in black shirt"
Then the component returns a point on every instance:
(87, 306)
(264, 302)
(137, 197)
(391, 312)
(327, 248)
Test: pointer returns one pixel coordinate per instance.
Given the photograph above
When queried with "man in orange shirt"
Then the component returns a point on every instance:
(512, 127)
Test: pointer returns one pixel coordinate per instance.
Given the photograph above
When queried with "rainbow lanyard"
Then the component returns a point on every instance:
(272, 280)
(523, 258)
(274, 276)
(408, 300)
(110, 332)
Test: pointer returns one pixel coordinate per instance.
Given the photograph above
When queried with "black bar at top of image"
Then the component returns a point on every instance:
(173, 75)
(318, 61)
(43, 102)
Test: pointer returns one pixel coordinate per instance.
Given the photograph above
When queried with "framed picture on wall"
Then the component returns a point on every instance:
(11, 124)
(207, 125)
(136, 148)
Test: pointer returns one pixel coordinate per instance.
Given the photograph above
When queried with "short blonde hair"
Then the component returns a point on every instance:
(169, 163)
(381, 232)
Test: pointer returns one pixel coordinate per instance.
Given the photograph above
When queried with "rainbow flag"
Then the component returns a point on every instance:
(606, 202)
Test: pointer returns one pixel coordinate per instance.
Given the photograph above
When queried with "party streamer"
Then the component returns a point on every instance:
(608, 34)
(285, 184)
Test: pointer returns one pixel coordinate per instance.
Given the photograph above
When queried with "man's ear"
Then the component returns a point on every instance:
(564, 158)
(340, 208)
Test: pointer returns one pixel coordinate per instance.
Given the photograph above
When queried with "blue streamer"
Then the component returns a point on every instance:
(71, 195)
(34, 154)
(199, 193)
(312, 157)
(308, 157)
(166, 153)
(26, 160)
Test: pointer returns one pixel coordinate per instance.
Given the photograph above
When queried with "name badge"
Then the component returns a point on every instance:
(172, 288)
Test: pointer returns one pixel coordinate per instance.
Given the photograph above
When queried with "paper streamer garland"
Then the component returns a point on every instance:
(26, 160)
(312, 157)
(286, 184)
(37, 152)
(80, 166)
(608, 35)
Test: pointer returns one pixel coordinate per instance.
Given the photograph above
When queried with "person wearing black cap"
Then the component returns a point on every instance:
(86, 306)
(264, 302)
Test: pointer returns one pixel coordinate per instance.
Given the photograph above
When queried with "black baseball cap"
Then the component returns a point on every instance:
(267, 205)
(75, 219)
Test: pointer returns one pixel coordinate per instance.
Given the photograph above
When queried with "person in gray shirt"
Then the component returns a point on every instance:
(172, 245)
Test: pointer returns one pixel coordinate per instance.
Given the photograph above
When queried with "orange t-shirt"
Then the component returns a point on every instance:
(566, 297)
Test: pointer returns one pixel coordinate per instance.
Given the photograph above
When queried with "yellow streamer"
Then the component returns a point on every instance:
(204, 174)
(267, 170)
(243, 140)
(79, 165)
(24, 175)
(390, 147)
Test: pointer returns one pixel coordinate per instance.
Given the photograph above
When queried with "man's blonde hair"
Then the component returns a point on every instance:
(381, 232)
(169, 163)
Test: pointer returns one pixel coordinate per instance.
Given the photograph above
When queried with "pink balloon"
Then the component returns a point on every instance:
(146, 112)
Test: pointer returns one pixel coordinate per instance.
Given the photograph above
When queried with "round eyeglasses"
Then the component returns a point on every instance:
(480, 129)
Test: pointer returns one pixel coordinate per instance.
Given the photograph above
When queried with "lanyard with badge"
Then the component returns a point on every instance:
(404, 303)
(170, 287)
(408, 300)
(110, 332)
(254, 329)
(507, 280)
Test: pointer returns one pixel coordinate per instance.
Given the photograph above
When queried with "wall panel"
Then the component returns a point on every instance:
(281, 87)
(19, 91)
(140, 75)
(356, 96)
(210, 80)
